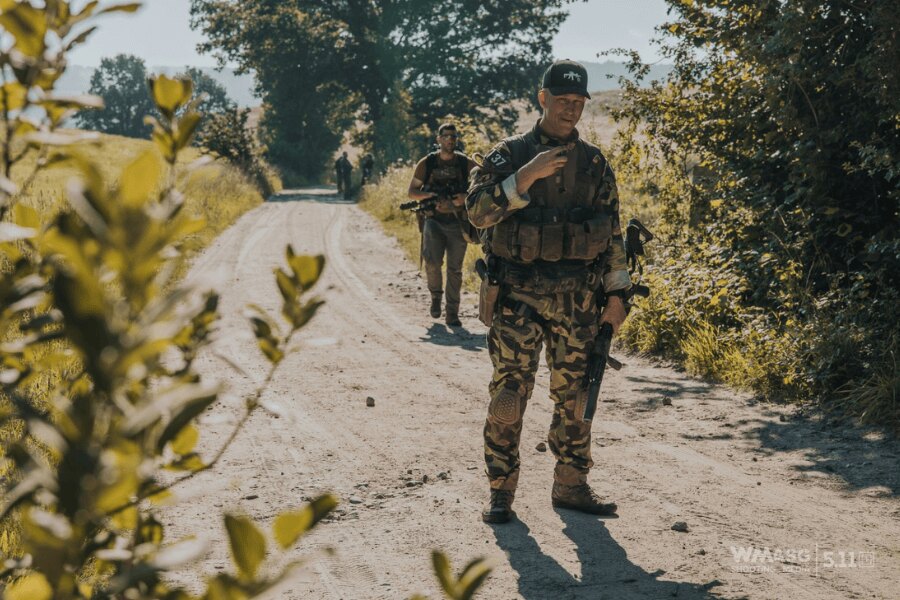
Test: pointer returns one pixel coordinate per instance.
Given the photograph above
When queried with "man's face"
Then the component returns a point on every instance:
(561, 113)
(447, 140)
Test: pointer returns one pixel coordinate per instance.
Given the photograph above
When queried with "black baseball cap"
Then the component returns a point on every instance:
(566, 77)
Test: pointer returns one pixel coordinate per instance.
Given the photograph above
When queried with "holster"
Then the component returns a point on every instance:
(487, 301)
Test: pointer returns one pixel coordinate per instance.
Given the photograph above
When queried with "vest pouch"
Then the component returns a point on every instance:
(599, 232)
(528, 241)
(584, 188)
(577, 241)
(552, 236)
(502, 238)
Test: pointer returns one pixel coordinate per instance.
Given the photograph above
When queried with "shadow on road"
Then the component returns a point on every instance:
(669, 389)
(862, 458)
(320, 194)
(606, 572)
(442, 335)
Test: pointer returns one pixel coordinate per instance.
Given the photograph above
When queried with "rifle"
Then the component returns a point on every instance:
(418, 206)
(441, 192)
(636, 236)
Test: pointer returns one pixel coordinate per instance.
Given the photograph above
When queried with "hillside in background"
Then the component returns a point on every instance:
(605, 76)
(77, 80)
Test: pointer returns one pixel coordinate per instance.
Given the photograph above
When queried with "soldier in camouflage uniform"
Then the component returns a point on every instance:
(548, 207)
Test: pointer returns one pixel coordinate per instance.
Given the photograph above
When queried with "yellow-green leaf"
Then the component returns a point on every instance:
(25, 216)
(186, 439)
(271, 351)
(472, 577)
(164, 142)
(225, 588)
(127, 519)
(128, 7)
(307, 269)
(289, 526)
(189, 462)
(442, 570)
(160, 497)
(33, 586)
(286, 286)
(12, 96)
(305, 312)
(170, 94)
(28, 25)
(187, 125)
(140, 178)
(248, 546)
(120, 470)
(150, 531)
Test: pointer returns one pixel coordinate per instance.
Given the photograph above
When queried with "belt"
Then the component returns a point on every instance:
(555, 278)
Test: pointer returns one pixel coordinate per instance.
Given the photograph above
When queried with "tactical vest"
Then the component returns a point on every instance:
(565, 219)
(439, 174)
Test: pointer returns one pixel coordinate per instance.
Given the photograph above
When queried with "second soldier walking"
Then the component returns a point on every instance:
(443, 174)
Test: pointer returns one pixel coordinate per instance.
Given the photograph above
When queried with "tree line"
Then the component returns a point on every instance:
(384, 71)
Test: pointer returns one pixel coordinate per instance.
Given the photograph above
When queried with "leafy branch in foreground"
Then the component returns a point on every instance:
(88, 298)
(127, 413)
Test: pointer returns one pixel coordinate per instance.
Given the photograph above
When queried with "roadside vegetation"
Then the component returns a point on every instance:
(99, 395)
(217, 192)
(777, 200)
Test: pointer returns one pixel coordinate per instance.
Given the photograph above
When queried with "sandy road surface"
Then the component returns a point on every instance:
(409, 470)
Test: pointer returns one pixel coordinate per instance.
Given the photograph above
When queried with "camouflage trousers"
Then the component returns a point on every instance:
(514, 343)
(440, 238)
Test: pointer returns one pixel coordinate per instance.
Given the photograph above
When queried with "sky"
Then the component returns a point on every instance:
(161, 35)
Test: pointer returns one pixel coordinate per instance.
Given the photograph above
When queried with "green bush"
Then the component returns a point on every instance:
(226, 135)
(777, 198)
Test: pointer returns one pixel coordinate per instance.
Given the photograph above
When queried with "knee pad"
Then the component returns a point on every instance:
(506, 406)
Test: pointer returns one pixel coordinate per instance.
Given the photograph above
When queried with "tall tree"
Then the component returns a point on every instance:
(122, 83)
(321, 65)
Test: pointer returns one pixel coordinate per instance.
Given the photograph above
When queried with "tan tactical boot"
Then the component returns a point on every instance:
(452, 318)
(436, 305)
(581, 498)
(499, 508)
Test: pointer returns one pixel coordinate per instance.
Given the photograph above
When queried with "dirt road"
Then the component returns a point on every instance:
(818, 504)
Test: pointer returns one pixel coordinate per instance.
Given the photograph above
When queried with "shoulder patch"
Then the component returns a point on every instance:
(497, 159)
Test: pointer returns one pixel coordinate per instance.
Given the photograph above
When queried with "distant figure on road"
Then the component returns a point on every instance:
(342, 170)
(367, 165)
